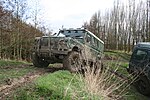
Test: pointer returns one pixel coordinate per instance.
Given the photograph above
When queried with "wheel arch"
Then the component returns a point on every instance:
(76, 48)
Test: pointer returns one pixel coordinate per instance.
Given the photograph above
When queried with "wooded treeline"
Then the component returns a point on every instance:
(16, 36)
(122, 26)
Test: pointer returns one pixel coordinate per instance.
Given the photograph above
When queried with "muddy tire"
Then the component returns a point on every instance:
(72, 62)
(37, 62)
(142, 84)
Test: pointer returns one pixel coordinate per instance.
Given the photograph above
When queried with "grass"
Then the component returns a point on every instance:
(115, 55)
(13, 69)
(120, 62)
(66, 86)
(55, 86)
(63, 85)
(10, 62)
(60, 85)
(56, 83)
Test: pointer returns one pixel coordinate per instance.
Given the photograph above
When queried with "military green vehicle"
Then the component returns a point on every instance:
(69, 47)
(139, 66)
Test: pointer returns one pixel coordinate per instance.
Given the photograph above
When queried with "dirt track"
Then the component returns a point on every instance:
(12, 84)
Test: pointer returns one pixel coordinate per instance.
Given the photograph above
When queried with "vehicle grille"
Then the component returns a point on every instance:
(59, 45)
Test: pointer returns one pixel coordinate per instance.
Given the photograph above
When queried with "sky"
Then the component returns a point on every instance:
(67, 13)
(71, 13)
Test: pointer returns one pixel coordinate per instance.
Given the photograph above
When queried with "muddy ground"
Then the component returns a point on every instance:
(11, 84)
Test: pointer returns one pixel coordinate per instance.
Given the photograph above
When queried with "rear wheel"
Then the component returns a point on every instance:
(142, 84)
(38, 62)
(73, 62)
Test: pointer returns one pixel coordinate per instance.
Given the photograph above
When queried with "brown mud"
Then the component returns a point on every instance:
(13, 84)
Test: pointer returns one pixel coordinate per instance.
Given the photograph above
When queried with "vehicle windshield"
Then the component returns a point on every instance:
(78, 34)
(44, 41)
(58, 35)
(140, 55)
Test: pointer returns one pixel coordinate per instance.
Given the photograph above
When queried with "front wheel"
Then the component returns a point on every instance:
(142, 84)
(72, 61)
(38, 62)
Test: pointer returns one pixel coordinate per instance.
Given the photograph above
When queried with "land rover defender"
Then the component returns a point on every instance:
(67, 47)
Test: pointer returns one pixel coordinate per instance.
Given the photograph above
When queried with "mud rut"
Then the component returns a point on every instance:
(13, 84)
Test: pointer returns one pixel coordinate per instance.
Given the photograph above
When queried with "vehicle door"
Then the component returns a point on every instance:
(139, 60)
(91, 45)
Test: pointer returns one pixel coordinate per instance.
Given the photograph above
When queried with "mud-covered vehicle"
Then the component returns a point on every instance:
(69, 47)
(139, 67)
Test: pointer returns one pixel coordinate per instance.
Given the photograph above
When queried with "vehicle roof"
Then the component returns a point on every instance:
(73, 29)
(95, 36)
(81, 29)
(45, 36)
(143, 45)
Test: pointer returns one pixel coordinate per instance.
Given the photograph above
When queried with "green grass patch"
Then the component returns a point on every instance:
(60, 85)
(119, 61)
(118, 66)
(10, 63)
(57, 85)
(117, 55)
(63, 85)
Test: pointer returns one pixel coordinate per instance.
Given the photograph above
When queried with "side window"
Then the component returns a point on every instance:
(140, 55)
(96, 43)
(88, 38)
(93, 41)
(99, 45)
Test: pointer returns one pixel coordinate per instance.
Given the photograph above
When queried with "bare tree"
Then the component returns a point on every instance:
(15, 34)
(125, 24)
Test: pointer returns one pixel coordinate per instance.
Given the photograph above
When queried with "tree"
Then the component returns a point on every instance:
(16, 35)
(124, 24)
